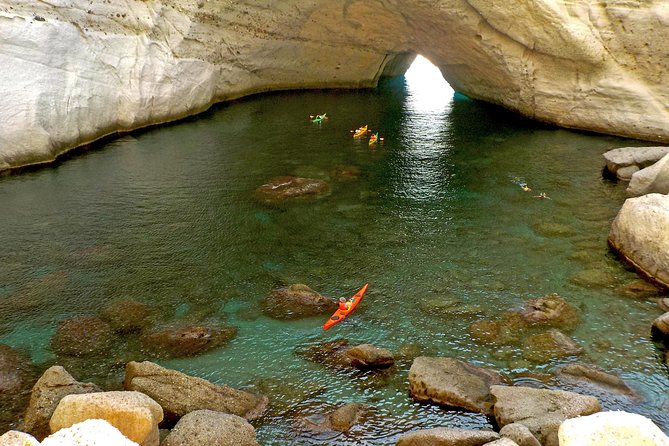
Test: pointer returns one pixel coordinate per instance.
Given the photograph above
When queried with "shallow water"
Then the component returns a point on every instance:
(168, 217)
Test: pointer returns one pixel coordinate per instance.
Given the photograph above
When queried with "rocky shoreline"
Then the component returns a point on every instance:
(155, 405)
(159, 406)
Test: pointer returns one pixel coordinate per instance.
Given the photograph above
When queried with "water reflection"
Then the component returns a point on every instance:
(424, 166)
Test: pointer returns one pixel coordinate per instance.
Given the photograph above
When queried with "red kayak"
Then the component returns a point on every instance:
(339, 315)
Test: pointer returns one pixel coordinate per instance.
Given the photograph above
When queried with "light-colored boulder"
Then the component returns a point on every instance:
(450, 382)
(541, 410)
(597, 66)
(611, 429)
(640, 234)
(652, 179)
(92, 432)
(133, 413)
(50, 388)
(17, 438)
(520, 434)
(637, 157)
(443, 436)
(502, 442)
(179, 394)
(211, 428)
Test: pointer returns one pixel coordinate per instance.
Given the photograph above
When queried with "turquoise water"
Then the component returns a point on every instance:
(168, 217)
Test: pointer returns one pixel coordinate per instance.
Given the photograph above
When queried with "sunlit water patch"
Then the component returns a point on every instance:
(168, 217)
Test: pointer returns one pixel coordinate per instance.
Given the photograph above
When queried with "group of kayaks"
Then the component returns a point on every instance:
(362, 132)
(359, 133)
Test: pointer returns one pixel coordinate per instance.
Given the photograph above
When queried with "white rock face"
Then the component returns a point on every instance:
(88, 433)
(74, 71)
(611, 429)
(652, 179)
(639, 233)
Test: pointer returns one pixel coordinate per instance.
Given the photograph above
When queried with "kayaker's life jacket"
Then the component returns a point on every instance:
(344, 306)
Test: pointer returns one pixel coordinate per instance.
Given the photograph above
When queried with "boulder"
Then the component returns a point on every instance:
(611, 429)
(634, 157)
(519, 434)
(296, 301)
(502, 442)
(639, 234)
(652, 179)
(134, 414)
(82, 336)
(54, 384)
(127, 316)
(452, 383)
(626, 173)
(367, 356)
(541, 410)
(211, 428)
(179, 394)
(185, 340)
(93, 432)
(548, 345)
(279, 189)
(661, 325)
(16, 438)
(443, 436)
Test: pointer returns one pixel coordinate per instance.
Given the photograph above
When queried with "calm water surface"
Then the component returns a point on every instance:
(168, 217)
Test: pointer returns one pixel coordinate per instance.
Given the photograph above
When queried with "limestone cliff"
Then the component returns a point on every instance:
(73, 71)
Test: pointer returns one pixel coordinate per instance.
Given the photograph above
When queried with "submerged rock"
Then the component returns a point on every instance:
(284, 188)
(368, 356)
(593, 376)
(341, 419)
(187, 340)
(296, 301)
(127, 316)
(550, 311)
(82, 336)
(548, 345)
(15, 372)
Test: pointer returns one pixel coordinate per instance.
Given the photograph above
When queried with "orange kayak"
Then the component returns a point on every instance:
(339, 315)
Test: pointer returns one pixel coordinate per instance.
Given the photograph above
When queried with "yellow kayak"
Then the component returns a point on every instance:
(360, 132)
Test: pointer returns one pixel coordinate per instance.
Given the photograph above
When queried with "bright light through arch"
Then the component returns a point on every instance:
(427, 87)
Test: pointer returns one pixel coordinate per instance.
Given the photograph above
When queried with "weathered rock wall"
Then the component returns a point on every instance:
(76, 70)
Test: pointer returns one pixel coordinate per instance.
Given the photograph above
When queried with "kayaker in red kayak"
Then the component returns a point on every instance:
(344, 304)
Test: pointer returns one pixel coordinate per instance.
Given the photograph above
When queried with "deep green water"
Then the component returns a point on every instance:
(168, 217)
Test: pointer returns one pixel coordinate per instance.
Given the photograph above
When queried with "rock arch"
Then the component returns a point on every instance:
(72, 74)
